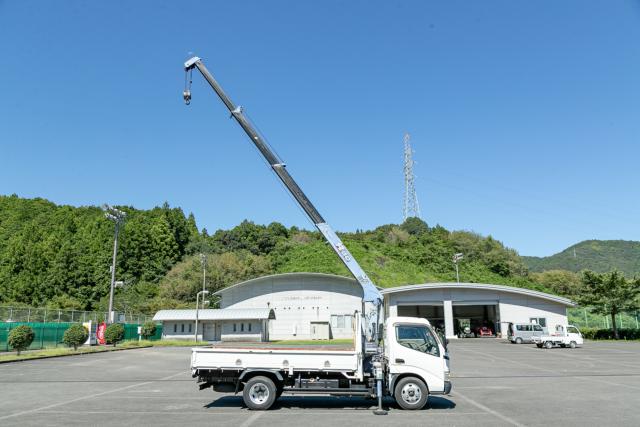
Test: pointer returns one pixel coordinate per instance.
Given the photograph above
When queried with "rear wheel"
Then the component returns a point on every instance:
(539, 345)
(411, 393)
(259, 393)
(518, 340)
(572, 344)
(548, 344)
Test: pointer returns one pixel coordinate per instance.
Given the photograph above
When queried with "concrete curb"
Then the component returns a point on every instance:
(74, 354)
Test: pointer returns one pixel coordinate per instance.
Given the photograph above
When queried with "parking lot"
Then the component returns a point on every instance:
(494, 383)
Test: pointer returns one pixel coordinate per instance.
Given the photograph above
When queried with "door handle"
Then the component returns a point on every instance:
(399, 360)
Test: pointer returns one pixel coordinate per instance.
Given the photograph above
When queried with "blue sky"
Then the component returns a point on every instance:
(524, 115)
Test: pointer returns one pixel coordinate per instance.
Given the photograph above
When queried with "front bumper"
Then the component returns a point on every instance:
(447, 389)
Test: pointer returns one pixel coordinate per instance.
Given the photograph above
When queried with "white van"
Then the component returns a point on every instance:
(519, 333)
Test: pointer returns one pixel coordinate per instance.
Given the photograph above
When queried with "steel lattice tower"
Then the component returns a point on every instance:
(410, 206)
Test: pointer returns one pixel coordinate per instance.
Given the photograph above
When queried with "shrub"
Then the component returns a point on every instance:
(607, 334)
(114, 333)
(75, 335)
(148, 330)
(21, 338)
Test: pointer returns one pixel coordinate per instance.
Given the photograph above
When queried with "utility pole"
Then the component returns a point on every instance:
(117, 216)
(203, 293)
(410, 206)
(203, 260)
(457, 257)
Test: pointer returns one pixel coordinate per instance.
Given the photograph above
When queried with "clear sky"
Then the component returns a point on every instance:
(524, 115)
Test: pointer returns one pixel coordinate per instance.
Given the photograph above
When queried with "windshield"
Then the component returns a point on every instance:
(417, 337)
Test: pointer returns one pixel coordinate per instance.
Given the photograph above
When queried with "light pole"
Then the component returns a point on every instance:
(457, 257)
(202, 292)
(203, 260)
(117, 216)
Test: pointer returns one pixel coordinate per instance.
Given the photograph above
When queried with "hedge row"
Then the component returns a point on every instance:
(607, 334)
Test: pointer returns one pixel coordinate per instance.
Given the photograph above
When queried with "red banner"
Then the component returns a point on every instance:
(100, 332)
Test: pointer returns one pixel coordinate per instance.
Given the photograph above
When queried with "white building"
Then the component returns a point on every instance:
(301, 306)
(306, 305)
(446, 304)
(216, 325)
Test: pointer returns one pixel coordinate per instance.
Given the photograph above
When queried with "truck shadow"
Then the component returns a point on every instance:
(330, 402)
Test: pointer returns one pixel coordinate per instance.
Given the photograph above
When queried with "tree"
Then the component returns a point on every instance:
(562, 282)
(609, 294)
(21, 338)
(148, 330)
(415, 226)
(75, 335)
(114, 333)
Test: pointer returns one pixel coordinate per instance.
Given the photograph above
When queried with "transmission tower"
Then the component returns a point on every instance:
(410, 206)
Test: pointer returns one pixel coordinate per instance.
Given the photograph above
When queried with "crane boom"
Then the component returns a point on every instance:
(370, 292)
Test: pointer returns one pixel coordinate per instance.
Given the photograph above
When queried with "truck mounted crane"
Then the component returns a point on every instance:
(366, 371)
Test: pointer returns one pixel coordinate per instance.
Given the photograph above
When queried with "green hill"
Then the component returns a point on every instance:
(596, 255)
(59, 256)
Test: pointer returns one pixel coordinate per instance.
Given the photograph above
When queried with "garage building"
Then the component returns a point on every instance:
(449, 306)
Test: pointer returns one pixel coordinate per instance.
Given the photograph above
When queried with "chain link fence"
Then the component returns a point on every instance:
(584, 318)
(47, 315)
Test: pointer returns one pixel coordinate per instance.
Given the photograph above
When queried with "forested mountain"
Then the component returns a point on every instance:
(595, 255)
(60, 255)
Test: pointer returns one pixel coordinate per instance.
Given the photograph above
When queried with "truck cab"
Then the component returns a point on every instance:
(417, 361)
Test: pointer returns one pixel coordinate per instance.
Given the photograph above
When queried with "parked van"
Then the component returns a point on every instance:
(523, 332)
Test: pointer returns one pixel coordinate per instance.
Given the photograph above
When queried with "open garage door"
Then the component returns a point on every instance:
(476, 320)
(433, 313)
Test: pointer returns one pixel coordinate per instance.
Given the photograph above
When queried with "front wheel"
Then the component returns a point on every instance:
(572, 344)
(548, 344)
(259, 393)
(518, 340)
(411, 393)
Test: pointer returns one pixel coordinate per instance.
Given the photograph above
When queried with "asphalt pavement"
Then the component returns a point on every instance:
(494, 383)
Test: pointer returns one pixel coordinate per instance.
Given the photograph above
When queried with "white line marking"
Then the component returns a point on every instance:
(252, 419)
(559, 373)
(55, 405)
(488, 410)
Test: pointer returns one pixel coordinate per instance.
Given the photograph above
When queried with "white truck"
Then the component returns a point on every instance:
(564, 336)
(415, 365)
(403, 358)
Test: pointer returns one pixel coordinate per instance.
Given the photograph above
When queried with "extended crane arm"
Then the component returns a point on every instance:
(370, 292)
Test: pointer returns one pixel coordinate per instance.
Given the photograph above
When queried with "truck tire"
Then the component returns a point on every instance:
(539, 345)
(548, 344)
(259, 393)
(411, 393)
(518, 340)
(572, 344)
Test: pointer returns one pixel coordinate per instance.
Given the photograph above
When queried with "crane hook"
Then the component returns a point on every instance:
(186, 94)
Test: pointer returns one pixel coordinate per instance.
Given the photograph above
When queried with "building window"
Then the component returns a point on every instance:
(538, 321)
(234, 327)
(241, 327)
(182, 327)
(189, 327)
(249, 327)
(175, 328)
(341, 321)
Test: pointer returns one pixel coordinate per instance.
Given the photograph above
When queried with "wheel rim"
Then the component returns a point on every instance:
(548, 344)
(259, 393)
(411, 393)
(572, 345)
(518, 340)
